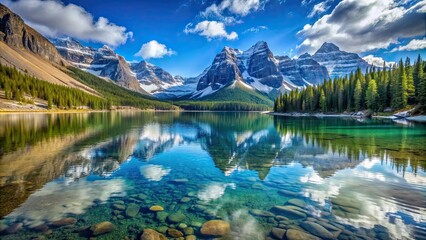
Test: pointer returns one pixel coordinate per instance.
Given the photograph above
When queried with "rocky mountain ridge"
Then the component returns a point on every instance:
(15, 33)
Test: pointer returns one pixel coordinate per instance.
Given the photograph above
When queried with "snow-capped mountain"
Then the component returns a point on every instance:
(154, 79)
(259, 69)
(103, 62)
(256, 70)
(338, 63)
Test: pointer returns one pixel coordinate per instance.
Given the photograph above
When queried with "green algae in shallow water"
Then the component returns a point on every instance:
(348, 177)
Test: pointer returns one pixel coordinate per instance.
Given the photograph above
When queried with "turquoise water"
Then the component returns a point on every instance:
(356, 179)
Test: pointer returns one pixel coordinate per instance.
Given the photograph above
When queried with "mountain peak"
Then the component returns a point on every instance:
(305, 55)
(328, 47)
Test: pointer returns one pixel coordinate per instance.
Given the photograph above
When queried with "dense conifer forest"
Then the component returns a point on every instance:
(379, 90)
(25, 88)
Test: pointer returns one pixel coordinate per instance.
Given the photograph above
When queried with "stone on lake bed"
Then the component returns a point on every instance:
(188, 231)
(150, 234)
(174, 233)
(288, 212)
(102, 228)
(317, 230)
(177, 217)
(179, 180)
(191, 237)
(63, 222)
(293, 234)
(182, 226)
(161, 216)
(132, 210)
(185, 199)
(156, 208)
(278, 233)
(297, 202)
(215, 228)
(13, 228)
(288, 193)
(261, 213)
(118, 207)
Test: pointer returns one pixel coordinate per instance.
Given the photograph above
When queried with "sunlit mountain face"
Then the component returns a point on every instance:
(360, 175)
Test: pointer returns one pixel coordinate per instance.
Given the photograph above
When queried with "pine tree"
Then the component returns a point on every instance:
(410, 81)
(358, 95)
(323, 102)
(371, 95)
(422, 91)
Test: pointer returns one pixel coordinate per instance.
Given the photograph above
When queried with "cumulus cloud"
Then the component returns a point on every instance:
(54, 18)
(237, 7)
(361, 25)
(255, 29)
(210, 30)
(154, 49)
(319, 8)
(415, 44)
(377, 61)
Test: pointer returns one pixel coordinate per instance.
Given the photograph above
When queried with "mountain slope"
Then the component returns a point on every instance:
(102, 62)
(154, 79)
(27, 50)
(238, 92)
(338, 63)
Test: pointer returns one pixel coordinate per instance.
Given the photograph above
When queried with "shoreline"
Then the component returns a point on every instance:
(418, 118)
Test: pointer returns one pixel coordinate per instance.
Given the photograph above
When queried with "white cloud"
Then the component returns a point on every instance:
(54, 18)
(255, 29)
(319, 8)
(154, 49)
(361, 25)
(415, 44)
(377, 61)
(210, 30)
(237, 7)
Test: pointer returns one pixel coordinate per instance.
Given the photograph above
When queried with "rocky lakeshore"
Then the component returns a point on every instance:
(188, 218)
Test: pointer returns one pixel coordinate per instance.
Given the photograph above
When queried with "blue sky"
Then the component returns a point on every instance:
(188, 34)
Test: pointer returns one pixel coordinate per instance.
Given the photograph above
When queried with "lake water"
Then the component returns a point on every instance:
(60, 174)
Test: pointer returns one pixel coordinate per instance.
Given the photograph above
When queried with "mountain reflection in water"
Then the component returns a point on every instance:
(361, 174)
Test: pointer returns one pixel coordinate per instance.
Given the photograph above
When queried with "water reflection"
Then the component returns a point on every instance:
(208, 165)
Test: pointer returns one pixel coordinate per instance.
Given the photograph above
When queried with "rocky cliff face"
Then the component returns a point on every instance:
(338, 63)
(223, 70)
(103, 62)
(154, 79)
(15, 33)
(311, 70)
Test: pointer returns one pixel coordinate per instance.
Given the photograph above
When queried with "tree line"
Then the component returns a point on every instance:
(378, 89)
(25, 88)
(221, 106)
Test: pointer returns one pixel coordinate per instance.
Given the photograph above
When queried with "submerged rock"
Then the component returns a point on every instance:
(63, 222)
(13, 228)
(174, 233)
(150, 234)
(191, 237)
(261, 213)
(132, 210)
(215, 228)
(289, 212)
(317, 230)
(156, 208)
(179, 180)
(278, 233)
(293, 234)
(176, 217)
(297, 202)
(288, 193)
(102, 228)
(161, 216)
